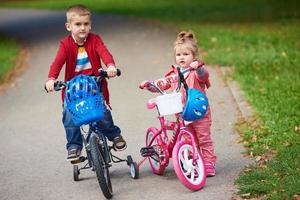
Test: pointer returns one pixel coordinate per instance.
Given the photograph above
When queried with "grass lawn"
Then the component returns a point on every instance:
(261, 40)
(9, 51)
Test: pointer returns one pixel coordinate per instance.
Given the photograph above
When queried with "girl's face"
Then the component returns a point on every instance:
(80, 27)
(183, 56)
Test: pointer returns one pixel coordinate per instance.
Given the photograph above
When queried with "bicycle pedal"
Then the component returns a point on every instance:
(147, 151)
(79, 160)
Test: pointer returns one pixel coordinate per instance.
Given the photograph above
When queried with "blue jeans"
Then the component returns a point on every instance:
(73, 133)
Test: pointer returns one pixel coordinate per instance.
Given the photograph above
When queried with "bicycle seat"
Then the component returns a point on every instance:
(151, 104)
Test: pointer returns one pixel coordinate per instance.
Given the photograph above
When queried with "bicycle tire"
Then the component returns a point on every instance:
(192, 176)
(156, 166)
(76, 173)
(102, 172)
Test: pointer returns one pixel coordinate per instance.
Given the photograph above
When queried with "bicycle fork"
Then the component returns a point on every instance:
(192, 139)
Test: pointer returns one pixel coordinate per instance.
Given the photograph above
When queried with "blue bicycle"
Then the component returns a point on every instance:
(86, 109)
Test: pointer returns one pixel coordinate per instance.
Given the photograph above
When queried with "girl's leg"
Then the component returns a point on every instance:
(202, 131)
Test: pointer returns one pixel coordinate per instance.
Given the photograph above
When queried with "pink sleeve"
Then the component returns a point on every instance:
(162, 84)
(165, 83)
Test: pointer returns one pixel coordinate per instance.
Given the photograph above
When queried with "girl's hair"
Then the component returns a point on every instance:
(78, 9)
(187, 39)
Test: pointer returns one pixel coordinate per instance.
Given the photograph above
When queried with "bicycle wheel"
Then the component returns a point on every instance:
(191, 175)
(155, 161)
(100, 168)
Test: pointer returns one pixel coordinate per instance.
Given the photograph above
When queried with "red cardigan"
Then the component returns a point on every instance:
(67, 54)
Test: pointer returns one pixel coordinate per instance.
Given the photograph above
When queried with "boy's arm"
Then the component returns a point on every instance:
(58, 63)
(105, 55)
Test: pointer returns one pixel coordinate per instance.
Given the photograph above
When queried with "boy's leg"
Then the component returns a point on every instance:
(111, 131)
(73, 135)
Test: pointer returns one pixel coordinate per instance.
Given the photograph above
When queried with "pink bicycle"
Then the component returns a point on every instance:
(172, 139)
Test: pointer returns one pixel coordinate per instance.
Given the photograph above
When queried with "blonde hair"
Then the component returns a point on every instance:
(187, 39)
(78, 9)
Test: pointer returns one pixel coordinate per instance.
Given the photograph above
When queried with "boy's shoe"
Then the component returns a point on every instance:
(210, 170)
(73, 154)
(119, 143)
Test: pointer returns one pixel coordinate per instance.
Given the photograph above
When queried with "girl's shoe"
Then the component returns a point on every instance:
(210, 169)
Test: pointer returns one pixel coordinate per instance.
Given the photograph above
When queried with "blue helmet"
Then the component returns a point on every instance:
(83, 100)
(196, 105)
(80, 87)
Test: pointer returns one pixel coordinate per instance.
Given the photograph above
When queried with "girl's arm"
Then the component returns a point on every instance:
(203, 75)
(162, 83)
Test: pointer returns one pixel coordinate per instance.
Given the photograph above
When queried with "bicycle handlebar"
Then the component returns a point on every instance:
(59, 85)
(180, 80)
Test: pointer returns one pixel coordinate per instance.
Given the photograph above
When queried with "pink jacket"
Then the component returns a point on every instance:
(192, 78)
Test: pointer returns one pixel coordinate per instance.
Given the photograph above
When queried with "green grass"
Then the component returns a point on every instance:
(8, 53)
(190, 10)
(278, 180)
(261, 40)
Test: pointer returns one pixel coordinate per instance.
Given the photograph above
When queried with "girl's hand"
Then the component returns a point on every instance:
(50, 85)
(194, 64)
(144, 84)
(111, 71)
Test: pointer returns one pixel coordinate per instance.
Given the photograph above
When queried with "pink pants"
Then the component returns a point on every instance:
(201, 130)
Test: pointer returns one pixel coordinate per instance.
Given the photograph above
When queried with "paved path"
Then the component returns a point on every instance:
(33, 165)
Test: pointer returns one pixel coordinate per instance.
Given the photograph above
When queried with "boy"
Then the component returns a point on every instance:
(81, 52)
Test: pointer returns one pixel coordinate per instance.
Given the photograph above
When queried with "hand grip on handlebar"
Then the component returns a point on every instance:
(58, 85)
(104, 73)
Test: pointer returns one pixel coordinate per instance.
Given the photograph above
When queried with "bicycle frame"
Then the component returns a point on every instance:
(98, 153)
(181, 145)
(167, 143)
(105, 148)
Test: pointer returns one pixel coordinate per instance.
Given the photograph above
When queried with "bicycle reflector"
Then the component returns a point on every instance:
(196, 105)
(83, 100)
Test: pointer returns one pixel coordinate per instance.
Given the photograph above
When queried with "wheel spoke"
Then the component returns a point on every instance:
(158, 158)
(192, 175)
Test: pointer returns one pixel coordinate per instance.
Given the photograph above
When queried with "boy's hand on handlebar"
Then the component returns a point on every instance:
(111, 71)
(50, 85)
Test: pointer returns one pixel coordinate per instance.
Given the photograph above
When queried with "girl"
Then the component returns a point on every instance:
(186, 55)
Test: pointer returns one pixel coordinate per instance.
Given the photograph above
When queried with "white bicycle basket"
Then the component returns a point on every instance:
(169, 104)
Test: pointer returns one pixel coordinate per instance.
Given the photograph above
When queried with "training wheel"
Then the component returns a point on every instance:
(134, 170)
(129, 160)
(133, 167)
(76, 173)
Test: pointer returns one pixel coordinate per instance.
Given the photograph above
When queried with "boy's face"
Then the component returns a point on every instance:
(80, 27)
(183, 56)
